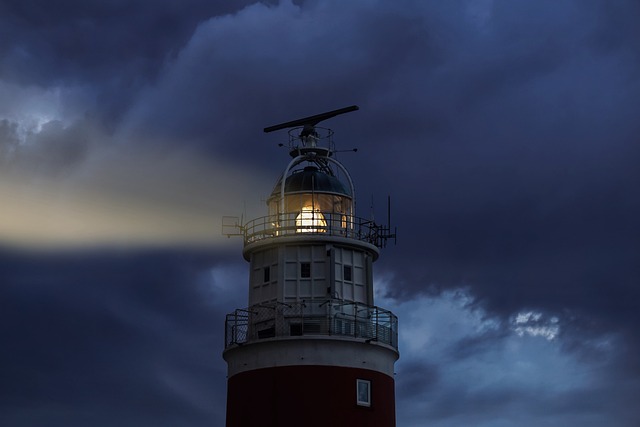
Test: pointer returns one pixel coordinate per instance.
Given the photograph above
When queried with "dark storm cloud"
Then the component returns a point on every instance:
(505, 132)
(130, 335)
(528, 196)
(111, 48)
(421, 377)
(87, 41)
(9, 139)
(266, 63)
(54, 149)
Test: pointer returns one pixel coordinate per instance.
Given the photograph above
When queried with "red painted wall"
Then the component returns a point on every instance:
(308, 396)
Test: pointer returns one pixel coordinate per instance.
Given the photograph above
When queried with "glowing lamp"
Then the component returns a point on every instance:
(310, 220)
(310, 200)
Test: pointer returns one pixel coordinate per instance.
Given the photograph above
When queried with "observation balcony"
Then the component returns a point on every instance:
(320, 317)
(315, 223)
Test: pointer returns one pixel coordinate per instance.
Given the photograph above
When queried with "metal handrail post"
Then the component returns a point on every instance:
(377, 322)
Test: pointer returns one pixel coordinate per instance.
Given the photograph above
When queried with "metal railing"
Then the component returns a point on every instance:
(318, 317)
(323, 223)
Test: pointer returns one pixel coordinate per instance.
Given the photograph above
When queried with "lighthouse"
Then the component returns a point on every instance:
(311, 348)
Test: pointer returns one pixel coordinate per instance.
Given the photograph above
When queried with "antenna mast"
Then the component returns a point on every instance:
(312, 142)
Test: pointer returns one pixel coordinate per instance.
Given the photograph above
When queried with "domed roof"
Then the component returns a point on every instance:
(310, 179)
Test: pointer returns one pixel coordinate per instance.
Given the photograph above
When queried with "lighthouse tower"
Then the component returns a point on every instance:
(311, 348)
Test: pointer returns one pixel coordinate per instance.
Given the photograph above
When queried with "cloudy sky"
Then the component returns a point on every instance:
(505, 132)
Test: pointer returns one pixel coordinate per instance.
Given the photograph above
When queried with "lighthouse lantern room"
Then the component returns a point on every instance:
(311, 348)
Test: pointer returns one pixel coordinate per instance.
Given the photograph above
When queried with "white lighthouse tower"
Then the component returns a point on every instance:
(311, 348)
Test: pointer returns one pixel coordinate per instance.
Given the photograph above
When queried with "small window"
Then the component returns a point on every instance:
(305, 269)
(363, 389)
(267, 274)
(347, 273)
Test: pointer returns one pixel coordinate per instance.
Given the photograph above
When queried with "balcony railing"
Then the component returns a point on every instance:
(322, 223)
(327, 317)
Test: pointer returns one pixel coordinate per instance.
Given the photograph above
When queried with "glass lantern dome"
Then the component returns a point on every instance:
(313, 198)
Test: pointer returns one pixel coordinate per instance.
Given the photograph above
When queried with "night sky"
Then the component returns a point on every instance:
(505, 132)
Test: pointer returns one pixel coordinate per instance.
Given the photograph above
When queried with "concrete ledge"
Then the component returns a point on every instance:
(311, 350)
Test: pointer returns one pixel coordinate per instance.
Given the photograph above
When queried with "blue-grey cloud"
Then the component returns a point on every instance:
(504, 131)
(97, 337)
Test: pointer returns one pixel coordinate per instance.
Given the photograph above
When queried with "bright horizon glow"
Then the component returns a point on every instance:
(120, 195)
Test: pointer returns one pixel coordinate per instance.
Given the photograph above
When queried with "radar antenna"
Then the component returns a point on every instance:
(307, 139)
(309, 123)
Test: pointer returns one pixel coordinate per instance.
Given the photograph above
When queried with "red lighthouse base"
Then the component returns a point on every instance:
(294, 396)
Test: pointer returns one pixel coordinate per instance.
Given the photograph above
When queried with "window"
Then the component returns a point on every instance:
(363, 390)
(267, 274)
(305, 269)
(347, 273)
